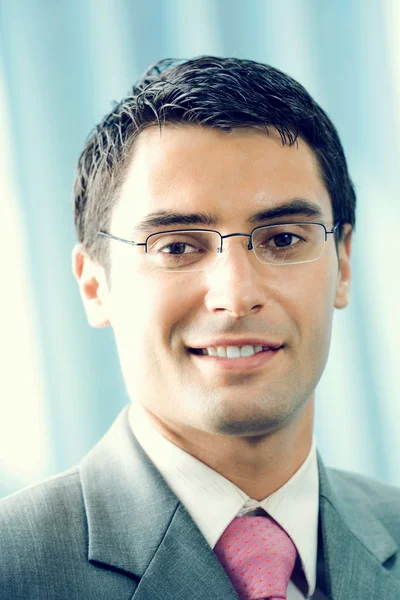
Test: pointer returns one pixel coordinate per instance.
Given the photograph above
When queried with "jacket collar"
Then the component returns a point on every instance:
(137, 525)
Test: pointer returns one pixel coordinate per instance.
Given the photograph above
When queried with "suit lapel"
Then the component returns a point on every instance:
(355, 545)
(137, 525)
(184, 566)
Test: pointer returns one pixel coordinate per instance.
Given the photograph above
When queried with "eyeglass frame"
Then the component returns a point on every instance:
(222, 237)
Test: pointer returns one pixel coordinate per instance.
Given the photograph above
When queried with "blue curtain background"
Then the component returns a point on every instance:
(61, 65)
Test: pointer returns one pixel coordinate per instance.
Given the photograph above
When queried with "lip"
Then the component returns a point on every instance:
(258, 360)
(238, 342)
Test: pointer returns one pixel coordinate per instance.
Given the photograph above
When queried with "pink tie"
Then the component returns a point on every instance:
(258, 557)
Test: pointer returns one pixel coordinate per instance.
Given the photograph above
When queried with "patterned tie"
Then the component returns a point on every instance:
(258, 557)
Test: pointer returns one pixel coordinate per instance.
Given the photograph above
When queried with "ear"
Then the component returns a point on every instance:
(92, 286)
(344, 275)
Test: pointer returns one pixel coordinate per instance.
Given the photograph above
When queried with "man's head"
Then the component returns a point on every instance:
(226, 138)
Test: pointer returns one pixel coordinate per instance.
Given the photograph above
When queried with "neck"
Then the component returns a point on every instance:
(257, 465)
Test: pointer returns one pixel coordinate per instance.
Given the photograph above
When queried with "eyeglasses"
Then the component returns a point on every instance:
(198, 249)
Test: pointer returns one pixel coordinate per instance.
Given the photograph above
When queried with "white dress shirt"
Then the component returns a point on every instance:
(213, 501)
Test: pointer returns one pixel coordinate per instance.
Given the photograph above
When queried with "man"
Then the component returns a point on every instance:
(214, 212)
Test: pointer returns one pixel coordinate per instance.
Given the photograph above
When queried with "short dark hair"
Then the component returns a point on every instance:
(222, 93)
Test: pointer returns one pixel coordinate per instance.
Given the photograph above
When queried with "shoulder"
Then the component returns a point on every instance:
(370, 495)
(41, 528)
(38, 504)
(42, 511)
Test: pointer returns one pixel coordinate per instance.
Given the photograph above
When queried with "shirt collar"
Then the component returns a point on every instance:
(213, 501)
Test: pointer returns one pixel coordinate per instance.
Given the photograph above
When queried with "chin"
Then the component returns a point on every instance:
(241, 417)
(248, 425)
(247, 430)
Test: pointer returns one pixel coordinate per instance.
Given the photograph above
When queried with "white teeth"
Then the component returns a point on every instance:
(211, 351)
(247, 351)
(232, 351)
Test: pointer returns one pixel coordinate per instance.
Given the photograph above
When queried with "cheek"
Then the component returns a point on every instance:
(147, 314)
(147, 309)
(313, 290)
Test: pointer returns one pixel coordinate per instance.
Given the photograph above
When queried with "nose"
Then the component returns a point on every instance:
(236, 282)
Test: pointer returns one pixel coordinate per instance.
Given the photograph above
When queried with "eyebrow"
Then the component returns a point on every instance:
(297, 207)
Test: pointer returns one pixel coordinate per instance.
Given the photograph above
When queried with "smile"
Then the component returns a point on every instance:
(234, 358)
(230, 351)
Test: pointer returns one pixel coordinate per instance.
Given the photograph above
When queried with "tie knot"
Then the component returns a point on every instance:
(258, 557)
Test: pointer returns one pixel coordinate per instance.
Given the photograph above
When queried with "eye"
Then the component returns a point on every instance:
(177, 248)
(283, 240)
(180, 243)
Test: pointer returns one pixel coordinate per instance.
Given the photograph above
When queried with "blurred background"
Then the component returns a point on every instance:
(62, 64)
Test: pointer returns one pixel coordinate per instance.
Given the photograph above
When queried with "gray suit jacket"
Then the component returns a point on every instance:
(112, 529)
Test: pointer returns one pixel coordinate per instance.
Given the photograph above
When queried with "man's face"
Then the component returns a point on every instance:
(157, 317)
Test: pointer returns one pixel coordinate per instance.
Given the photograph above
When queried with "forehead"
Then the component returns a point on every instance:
(189, 168)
